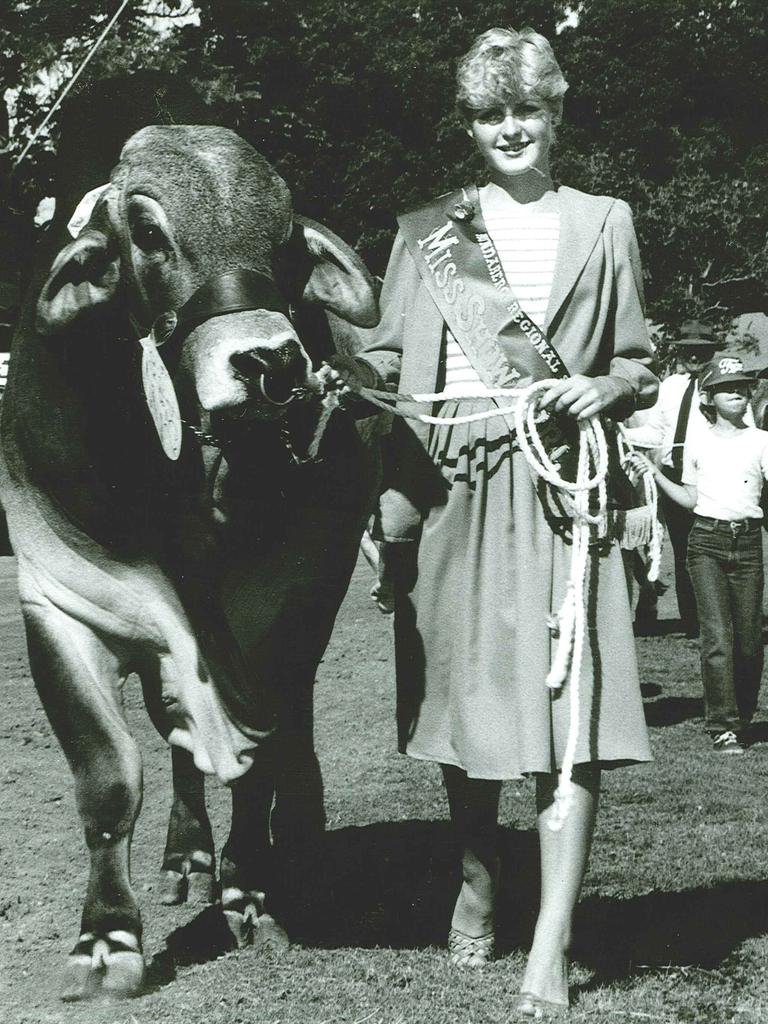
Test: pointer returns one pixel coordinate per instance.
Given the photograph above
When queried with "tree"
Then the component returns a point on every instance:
(353, 104)
(41, 44)
(666, 99)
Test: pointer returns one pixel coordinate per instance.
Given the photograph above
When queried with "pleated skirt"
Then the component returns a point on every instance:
(473, 626)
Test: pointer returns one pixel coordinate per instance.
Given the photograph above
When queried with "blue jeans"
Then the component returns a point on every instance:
(725, 561)
(679, 522)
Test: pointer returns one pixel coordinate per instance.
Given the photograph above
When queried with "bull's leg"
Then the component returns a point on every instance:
(189, 860)
(298, 818)
(188, 871)
(78, 678)
(286, 771)
(247, 864)
(282, 613)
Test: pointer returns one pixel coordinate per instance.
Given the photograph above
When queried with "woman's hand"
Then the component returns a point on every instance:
(332, 380)
(582, 397)
(346, 376)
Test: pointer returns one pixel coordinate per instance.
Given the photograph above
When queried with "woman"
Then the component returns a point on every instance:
(723, 478)
(472, 617)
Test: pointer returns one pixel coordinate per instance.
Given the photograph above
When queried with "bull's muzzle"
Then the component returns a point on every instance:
(280, 373)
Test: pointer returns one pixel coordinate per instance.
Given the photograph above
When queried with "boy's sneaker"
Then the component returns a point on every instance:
(728, 743)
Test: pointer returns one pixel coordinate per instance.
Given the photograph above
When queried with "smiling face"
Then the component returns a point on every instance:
(513, 138)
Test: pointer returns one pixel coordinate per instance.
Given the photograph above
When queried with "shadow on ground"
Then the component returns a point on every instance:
(671, 627)
(658, 627)
(673, 710)
(393, 885)
(699, 927)
(758, 733)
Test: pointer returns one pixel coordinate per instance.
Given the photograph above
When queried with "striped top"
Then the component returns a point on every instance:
(526, 240)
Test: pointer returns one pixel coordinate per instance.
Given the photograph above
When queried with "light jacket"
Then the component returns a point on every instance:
(595, 320)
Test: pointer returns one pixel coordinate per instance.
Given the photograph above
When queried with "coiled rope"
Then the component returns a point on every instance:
(570, 621)
(588, 515)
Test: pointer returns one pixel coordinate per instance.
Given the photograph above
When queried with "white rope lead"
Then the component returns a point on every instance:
(570, 622)
(389, 400)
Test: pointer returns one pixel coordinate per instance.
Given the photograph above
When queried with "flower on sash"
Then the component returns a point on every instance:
(463, 211)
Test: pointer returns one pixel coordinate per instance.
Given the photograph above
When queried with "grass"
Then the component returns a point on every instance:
(672, 925)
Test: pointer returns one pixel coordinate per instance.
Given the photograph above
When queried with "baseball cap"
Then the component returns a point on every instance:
(725, 369)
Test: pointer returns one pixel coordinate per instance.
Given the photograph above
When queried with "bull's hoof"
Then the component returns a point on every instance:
(185, 882)
(270, 935)
(383, 597)
(110, 966)
(201, 888)
(241, 926)
(247, 922)
(172, 888)
(198, 888)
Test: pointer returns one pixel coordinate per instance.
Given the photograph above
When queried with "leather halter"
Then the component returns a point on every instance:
(234, 291)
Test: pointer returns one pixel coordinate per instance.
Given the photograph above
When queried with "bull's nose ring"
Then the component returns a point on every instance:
(269, 398)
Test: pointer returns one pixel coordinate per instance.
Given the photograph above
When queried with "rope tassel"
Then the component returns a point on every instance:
(641, 527)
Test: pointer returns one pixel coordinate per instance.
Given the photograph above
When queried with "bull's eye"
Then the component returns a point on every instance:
(148, 237)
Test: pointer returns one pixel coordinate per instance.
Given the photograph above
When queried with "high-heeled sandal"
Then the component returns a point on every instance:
(470, 950)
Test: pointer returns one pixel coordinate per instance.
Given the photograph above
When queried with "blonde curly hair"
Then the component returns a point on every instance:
(505, 66)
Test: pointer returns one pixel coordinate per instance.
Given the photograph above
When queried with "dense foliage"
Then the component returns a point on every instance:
(353, 102)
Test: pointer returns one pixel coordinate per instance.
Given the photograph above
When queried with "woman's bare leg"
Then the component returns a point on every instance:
(474, 805)
(564, 856)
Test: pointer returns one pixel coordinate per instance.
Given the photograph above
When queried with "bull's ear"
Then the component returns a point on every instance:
(338, 278)
(84, 277)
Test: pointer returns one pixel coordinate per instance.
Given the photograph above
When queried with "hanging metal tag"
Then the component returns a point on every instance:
(159, 391)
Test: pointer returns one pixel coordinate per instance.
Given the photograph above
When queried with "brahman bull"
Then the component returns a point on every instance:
(172, 529)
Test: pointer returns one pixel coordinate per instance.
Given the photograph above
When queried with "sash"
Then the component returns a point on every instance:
(457, 260)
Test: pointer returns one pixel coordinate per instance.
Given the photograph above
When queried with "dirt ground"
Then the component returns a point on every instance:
(43, 864)
(374, 917)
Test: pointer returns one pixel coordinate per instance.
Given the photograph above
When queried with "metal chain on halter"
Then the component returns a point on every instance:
(204, 438)
(285, 437)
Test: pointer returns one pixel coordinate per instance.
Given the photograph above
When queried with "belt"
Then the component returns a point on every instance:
(734, 525)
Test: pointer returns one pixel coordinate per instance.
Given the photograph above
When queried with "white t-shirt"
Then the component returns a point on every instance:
(655, 428)
(728, 471)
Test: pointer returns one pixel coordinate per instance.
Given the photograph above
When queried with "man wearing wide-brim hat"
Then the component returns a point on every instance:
(665, 429)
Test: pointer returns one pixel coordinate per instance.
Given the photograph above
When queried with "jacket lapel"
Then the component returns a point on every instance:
(581, 221)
